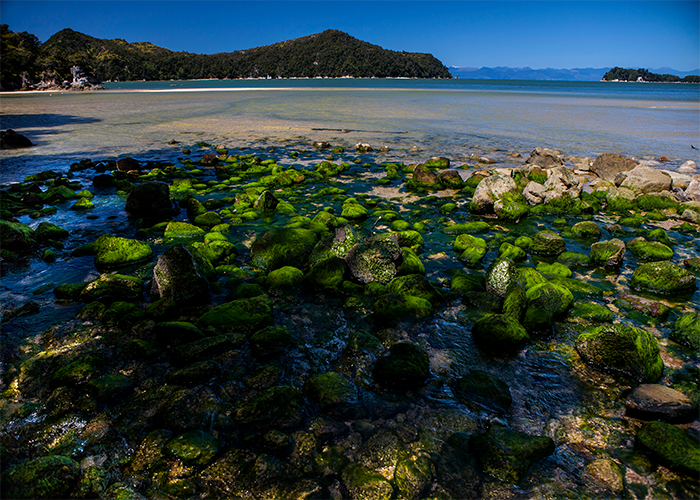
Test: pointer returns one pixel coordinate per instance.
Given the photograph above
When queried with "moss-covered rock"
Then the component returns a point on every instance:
(500, 275)
(194, 447)
(649, 250)
(405, 367)
(182, 231)
(410, 264)
(365, 484)
(46, 231)
(16, 236)
(686, 330)
(483, 390)
(673, 447)
(391, 308)
(352, 210)
(280, 406)
(414, 474)
(328, 275)
(217, 251)
(410, 239)
(511, 207)
(241, 315)
(46, 477)
(415, 285)
(622, 349)
(499, 334)
(547, 243)
(574, 259)
(608, 473)
(478, 227)
(111, 287)
(554, 270)
(69, 291)
(333, 393)
(586, 229)
(608, 254)
(178, 278)
(663, 278)
(527, 277)
(507, 454)
(270, 340)
(114, 252)
(284, 279)
(465, 284)
(374, 261)
(470, 249)
(550, 297)
(512, 252)
(590, 311)
(279, 247)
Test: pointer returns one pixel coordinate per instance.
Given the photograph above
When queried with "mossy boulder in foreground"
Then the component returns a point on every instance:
(112, 287)
(507, 454)
(242, 315)
(499, 334)
(608, 254)
(547, 243)
(663, 278)
(281, 247)
(673, 447)
(178, 278)
(114, 252)
(405, 367)
(624, 349)
(45, 477)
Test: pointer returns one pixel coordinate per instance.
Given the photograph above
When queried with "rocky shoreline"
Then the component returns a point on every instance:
(354, 329)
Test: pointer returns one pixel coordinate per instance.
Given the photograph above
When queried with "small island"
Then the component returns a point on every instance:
(642, 75)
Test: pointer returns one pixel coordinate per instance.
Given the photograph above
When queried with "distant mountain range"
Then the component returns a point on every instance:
(527, 73)
(331, 53)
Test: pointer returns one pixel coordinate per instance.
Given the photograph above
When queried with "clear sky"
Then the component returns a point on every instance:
(555, 34)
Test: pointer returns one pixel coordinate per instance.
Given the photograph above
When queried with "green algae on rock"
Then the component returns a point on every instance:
(114, 252)
(470, 249)
(242, 315)
(333, 393)
(547, 243)
(499, 334)
(178, 278)
(270, 340)
(686, 330)
(112, 287)
(194, 447)
(500, 275)
(608, 254)
(405, 367)
(279, 406)
(650, 250)
(46, 477)
(673, 447)
(507, 454)
(279, 247)
(623, 349)
(483, 390)
(392, 308)
(663, 278)
(366, 484)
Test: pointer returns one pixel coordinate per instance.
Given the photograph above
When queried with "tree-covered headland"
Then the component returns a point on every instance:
(643, 75)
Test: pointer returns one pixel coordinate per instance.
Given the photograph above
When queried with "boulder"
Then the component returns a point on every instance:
(470, 249)
(547, 243)
(500, 275)
(663, 278)
(16, 236)
(438, 162)
(241, 315)
(9, 139)
(545, 158)
(364, 483)
(334, 394)
(686, 330)
(507, 454)
(114, 252)
(53, 476)
(424, 177)
(586, 229)
(405, 367)
(280, 406)
(391, 308)
(608, 253)
(561, 182)
(270, 340)
(608, 165)
(279, 247)
(149, 200)
(658, 402)
(193, 448)
(623, 349)
(177, 278)
(688, 167)
(647, 180)
(451, 179)
(490, 190)
(112, 287)
(673, 447)
(649, 250)
(678, 180)
(499, 334)
(374, 260)
(534, 193)
(607, 472)
(126, 164)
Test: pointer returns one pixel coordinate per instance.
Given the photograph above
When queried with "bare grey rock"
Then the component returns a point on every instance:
(658, 402)
(491, 189)
(534, 193)
(608, 165)
(545, 158)
(647, 180)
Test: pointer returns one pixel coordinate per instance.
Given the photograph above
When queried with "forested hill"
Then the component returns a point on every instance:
(643, 75)
(331, 53)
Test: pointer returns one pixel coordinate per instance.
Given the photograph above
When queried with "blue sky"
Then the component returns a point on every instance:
(556, 34)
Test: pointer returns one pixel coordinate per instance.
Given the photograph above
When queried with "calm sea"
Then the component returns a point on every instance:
(456, 118)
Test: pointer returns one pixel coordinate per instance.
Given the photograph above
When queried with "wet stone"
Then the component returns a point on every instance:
(658, 402)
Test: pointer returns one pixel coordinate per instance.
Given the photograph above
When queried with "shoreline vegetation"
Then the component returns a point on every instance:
(354, 328)
(644, 76)
(76, 61)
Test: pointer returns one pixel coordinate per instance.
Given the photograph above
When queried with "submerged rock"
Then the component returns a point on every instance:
(625, 349)
(242, 315)
(405, 367)
(499, 334)
(112, 287)
(507, 454)
(149, 200)
(46, 477)
(279, 247)
(483, 390)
